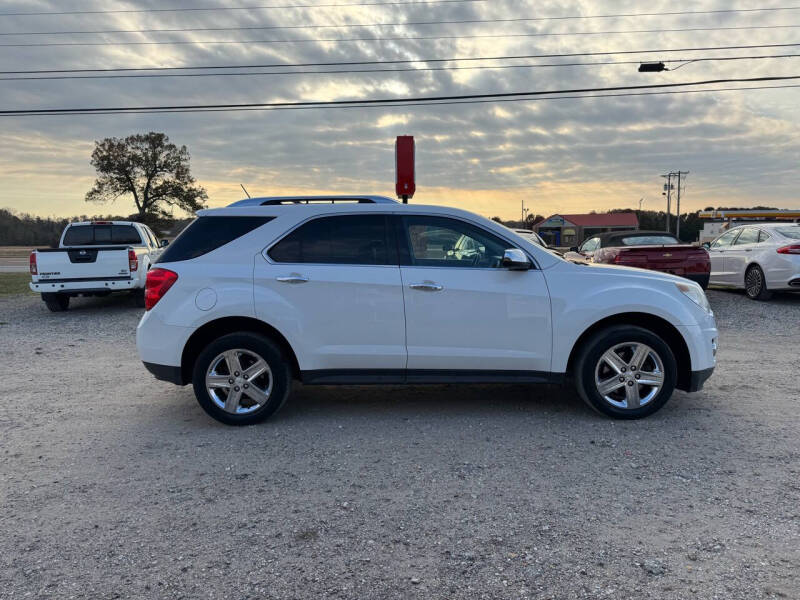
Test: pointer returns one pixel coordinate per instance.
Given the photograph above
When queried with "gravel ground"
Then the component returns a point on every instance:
(115, 485)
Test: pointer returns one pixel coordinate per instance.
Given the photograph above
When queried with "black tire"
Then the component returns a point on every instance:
(587, 364)
(56, 302)
(138, 298)
(755, 284)
(263, 347)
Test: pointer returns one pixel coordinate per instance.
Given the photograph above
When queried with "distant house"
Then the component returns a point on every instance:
(571, 230)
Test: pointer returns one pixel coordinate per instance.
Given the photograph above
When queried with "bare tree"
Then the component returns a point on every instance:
(152, 170)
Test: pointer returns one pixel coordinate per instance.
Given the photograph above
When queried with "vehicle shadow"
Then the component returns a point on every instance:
(780, 297)
(112, 302)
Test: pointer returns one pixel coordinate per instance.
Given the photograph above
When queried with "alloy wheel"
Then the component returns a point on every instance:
(753, 282)
(239, 381)
(629, 375)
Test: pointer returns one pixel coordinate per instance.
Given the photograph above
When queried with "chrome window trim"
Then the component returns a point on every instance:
(265, 251)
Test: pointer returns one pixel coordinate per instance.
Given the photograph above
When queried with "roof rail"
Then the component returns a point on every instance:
(284, 200)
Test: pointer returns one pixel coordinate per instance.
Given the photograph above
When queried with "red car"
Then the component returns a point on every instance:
(655, 250)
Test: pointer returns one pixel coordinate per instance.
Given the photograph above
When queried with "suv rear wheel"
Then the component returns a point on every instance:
(241, 378)
(626, 372)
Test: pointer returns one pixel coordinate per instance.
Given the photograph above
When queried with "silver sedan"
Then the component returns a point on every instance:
(759, 258)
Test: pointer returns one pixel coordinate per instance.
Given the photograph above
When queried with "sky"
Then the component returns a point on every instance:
(741, 148)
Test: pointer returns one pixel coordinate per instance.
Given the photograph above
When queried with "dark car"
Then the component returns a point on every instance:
(654, 250)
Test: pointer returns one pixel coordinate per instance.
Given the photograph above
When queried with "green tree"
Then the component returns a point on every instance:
(154, 171)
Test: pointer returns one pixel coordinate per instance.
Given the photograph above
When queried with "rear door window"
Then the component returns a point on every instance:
(340, 240)
(726, 239)
(748, 236)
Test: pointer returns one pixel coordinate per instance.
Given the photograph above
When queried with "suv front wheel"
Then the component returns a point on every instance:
(241, 378)
(626, 372)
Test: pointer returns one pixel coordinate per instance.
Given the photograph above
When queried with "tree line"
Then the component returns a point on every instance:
(21, 229)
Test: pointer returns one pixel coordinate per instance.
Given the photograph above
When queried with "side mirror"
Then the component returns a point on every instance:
(573, 249)
(515, 259)
(164, 243)
(705, 245)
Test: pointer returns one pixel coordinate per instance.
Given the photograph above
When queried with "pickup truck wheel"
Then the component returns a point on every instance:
(56, 302)
(241, 378)
(138, 298)
(626, 372)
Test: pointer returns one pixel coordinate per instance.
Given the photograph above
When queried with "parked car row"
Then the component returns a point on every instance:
(656, 250)
(759, 259)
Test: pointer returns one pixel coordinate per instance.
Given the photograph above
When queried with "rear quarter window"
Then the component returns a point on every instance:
(205, 234)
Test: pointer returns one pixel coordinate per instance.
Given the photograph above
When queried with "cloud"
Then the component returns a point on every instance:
(568, 154)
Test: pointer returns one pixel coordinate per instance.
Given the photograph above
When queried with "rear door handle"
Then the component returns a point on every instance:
(427, 286)
(293, 278)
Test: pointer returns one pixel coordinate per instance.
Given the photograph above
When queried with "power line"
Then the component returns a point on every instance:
(398, 38)
(393, 70)
(394, 24)
(411, 104)
(396, 3)
(404, 61)
(391, 101)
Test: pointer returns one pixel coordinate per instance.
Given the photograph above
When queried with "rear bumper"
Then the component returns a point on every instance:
(700, 278)
(165, 373)
(67, 286)
(699, 379)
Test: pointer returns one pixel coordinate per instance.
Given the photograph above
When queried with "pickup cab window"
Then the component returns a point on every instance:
(101, 235)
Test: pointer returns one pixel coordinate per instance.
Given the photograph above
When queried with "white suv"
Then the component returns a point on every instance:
(364, 290)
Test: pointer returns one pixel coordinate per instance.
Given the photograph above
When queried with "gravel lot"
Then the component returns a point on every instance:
(115, 485)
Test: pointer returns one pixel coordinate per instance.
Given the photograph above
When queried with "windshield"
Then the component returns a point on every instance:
(790, 232)
(649, 240)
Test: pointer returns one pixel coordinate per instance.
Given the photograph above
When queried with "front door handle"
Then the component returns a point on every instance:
(293, 278)
(427, 286)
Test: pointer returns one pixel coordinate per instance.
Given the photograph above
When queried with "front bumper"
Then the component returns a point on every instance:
(698, 379)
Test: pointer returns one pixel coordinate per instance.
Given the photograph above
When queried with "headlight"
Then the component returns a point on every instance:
(696, 294)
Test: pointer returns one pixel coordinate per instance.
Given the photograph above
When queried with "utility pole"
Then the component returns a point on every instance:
(678, 226)
(668, 193)
(668, 187)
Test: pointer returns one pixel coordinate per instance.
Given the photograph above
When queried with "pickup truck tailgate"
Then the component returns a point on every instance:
(76, 264)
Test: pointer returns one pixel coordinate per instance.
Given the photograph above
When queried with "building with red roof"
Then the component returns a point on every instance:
(571, 230)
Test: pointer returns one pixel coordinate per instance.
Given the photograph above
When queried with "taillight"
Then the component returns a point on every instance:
(157, 284)
(34, 270)
(133, 261)
(792, 249)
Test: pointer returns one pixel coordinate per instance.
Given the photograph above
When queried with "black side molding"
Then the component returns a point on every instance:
(424, 376)
(165, 373)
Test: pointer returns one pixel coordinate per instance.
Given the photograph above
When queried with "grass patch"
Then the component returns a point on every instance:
(13, 284)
